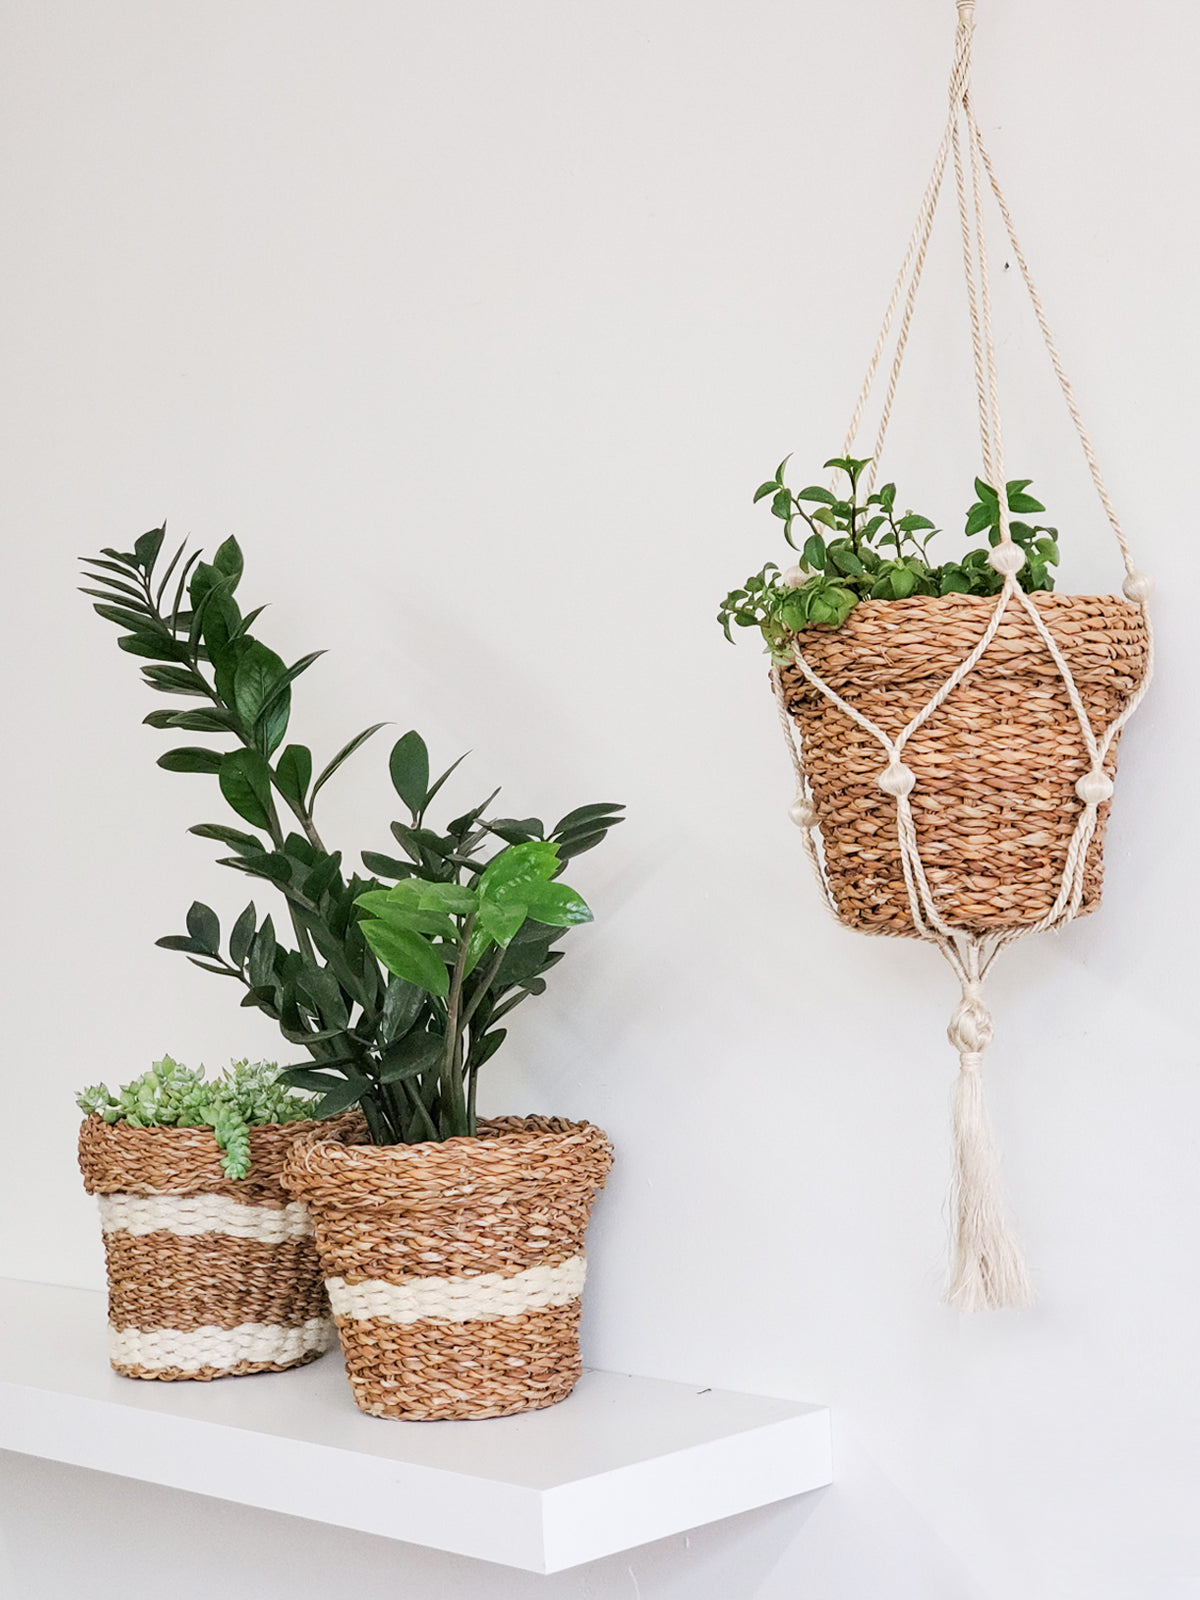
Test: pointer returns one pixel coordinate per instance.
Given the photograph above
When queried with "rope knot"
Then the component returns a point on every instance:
(970, 1030)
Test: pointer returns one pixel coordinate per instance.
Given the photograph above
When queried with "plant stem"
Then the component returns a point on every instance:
(452, 1086)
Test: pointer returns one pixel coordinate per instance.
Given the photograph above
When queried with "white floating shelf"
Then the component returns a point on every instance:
(621, 1462)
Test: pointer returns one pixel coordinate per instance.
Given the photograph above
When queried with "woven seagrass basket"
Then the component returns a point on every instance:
(208, 1276)
(456, 1270)
(994, 801)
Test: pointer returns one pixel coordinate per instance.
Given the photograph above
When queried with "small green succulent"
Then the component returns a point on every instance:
(171, 1095)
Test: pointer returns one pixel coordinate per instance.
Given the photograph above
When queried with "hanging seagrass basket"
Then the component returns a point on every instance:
(954, 757)
(208, 1276)
(456, 1269)
(994, 802)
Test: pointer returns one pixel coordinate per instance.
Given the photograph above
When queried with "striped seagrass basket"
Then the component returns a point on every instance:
(994, 801)
(455, 1270)
(208, 1276)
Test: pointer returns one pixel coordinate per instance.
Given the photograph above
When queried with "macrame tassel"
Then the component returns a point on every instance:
(988, 1270)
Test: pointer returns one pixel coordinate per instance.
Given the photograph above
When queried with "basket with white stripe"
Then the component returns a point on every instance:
(208, 1276)
(455, 1269)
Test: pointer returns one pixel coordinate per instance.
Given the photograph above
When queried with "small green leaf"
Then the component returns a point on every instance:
(385, 866)
(245, 842)
(191, 759)
(261, 969)
(204, 928)
(555, 905)
(815, 493)
(228, 562)
(535, 861)
(409, 956)
(241, 935)
(410, 1056)
(763, 490)
(342, 1098)
(246, 783)
(408, 765)
(146, 548)
(178, 941)
(293, 772)
(344, 754)
(781, 505)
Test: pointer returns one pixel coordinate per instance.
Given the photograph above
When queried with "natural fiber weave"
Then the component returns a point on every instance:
(995, 766)
(203, 1268)
(433, 1227)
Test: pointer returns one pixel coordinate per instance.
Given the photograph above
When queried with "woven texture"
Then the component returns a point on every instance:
(994, 801)
(208, 1276)
(456, 1269)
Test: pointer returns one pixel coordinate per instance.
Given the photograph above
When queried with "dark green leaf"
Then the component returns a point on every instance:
(344, 754)
(815, 493)
(485, 1048)
(261, 969)
(241, 935)
(411, 1056)
(293, 772)
(178, 941)
(205, 929)
(322, 988)
(437, 786)
(190, 758)
(781, 505)
(409, 768)
(402, 1005)
(385, 866)
(815, 551)
(246, 784)
(263, 864)
(763, 490)
(343, 1097)
(228, 562)
(125, 617)
(175, 680)
(258, 674)
(155, 647)
(147, 547)
(322, 876)
(245, 842)
(590, 813)
(517, 830)
(310, 1078)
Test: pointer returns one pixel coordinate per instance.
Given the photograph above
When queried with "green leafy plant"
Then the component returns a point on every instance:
(171, 1095)
(376, 988)
(858, 547)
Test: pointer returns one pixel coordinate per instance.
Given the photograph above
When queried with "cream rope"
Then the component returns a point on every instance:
(988, 1269)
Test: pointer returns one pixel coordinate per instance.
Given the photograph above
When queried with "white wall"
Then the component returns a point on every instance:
(477, 324)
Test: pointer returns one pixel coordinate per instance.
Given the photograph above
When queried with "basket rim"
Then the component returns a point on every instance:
(354, 1172)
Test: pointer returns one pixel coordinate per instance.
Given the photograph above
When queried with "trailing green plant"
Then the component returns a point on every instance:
(376, 987)
(171, 1095)
(857, 547)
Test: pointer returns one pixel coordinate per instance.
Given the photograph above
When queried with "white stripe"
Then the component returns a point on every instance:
(459, 1299)
(156, 1348)
(188, 1215)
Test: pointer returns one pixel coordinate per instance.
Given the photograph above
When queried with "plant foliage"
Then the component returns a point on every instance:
(171, 1095)
(859, 548)
(398, 978)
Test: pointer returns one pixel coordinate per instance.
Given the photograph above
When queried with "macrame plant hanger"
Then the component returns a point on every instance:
(988, 1269)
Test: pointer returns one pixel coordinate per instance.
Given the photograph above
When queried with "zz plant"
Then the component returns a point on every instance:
(857, 547)
(397, 980)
